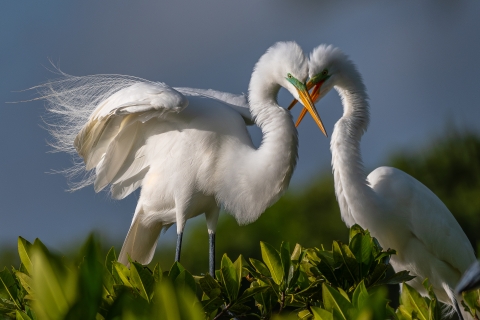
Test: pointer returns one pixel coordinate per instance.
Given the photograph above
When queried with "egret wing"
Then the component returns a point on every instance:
(113, 139)
(427, 217)
(238, 102)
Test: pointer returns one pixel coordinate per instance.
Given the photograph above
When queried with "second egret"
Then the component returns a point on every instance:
(398, 210)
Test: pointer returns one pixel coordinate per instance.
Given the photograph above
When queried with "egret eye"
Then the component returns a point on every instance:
(289, 75)
(324, 72)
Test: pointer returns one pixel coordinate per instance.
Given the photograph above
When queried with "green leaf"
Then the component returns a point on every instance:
(25, 281)
(10, 286)
(250, 292)
(175, 270)
(20, 315)
(38, 245)
(174, 305)
(397, 278)
(140, 282)
(229, 278)
(185, 280)
(260, 267)
(360, 295)
(238, 264)
(471, 299)
(209, 286)
(296, 252)
(239, 309)
(111, 257)
(90, 280)
(377, 274)
(362, 247)
(434, 312)
(285, 257)
(304, 314)
(157, 273)
(122, 273)
(24, 252)
(326, 267)
(384, 256)
(348, 259)
(211, 305)
(337, 255)
(354, 230)
(334, 300)
(414, 302)
(55, 284)
(403, 314)
(272, 259)
(321, 314)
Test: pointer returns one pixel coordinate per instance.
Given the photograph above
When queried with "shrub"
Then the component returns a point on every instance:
(346, 282)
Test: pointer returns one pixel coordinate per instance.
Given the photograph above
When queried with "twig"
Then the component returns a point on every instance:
(222, 312)
(282, 302)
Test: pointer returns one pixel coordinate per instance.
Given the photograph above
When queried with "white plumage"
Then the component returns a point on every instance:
(188, 149)
(397, 209)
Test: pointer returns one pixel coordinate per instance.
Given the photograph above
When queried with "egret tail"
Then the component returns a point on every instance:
(140, 242)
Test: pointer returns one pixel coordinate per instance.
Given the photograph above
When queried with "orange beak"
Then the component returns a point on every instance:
(315, 94)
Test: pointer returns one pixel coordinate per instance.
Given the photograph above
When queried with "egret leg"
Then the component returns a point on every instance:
(179, 246)
(211, 256)
(212, 219)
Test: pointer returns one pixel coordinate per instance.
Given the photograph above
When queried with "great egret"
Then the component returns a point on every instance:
(188, 149)
(397, 209)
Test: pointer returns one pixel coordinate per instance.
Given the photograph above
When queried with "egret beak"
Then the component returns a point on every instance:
(310, 107)
(294, 102)
(314, 97)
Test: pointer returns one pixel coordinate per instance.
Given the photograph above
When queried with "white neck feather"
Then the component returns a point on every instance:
(351, 186)
(263, 174)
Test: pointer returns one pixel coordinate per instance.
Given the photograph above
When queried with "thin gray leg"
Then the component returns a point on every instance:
(211, 256)
(179, 246)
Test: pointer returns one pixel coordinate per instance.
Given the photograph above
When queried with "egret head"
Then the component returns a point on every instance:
(328, 67)
(283, 65)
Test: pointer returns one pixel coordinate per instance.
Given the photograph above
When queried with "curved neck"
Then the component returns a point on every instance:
(263, 174)
(351, 185)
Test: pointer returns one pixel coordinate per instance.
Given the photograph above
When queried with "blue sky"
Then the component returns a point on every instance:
(419, 59)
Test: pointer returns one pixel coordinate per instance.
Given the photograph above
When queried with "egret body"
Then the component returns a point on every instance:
(189, 150)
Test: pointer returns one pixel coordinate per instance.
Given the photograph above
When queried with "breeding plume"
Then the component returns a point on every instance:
(398, 210)
(188, 149)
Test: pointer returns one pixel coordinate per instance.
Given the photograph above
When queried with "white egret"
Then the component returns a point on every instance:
(188, 149)
(397, 209)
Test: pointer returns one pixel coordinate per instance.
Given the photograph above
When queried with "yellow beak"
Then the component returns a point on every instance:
(310, 107)
(314, 97)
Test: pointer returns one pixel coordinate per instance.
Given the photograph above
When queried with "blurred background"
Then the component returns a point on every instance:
(420, 63)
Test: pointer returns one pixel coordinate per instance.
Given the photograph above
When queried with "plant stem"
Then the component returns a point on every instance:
(222, 312)
(282, 302)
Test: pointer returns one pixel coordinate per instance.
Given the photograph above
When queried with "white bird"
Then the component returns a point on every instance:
(398, 210)
(188, 149)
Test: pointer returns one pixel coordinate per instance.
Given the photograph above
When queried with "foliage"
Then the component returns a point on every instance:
(346, 282)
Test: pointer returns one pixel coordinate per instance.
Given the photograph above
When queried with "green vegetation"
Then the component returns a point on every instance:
(346, 282)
